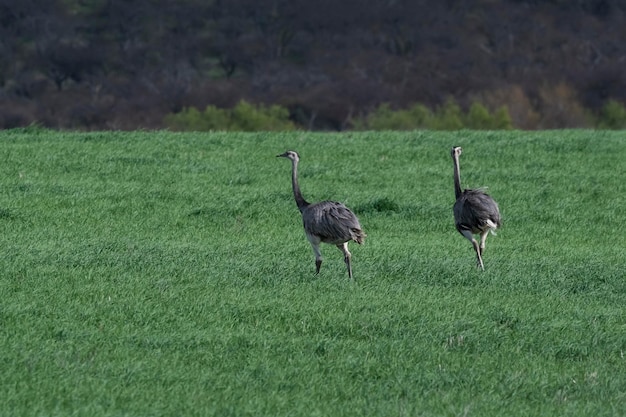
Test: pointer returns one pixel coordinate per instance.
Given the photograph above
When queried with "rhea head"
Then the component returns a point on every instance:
(456, 151)
(293, 155)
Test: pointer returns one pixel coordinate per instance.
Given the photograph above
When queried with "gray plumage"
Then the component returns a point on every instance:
(475, 212)
(325, 222)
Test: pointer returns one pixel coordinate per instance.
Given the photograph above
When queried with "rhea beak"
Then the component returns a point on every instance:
(284, 155)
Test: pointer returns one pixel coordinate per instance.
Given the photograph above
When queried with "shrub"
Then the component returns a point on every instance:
(247, 117)
(384, 118)
(612, 116)
(447, 117)
(478, 117)
(243, 117)
(502, 119)
(560, 108)
(514, 107)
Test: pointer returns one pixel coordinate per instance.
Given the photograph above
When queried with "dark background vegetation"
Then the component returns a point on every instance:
(113, 64)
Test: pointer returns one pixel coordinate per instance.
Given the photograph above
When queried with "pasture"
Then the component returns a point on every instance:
(167, 274)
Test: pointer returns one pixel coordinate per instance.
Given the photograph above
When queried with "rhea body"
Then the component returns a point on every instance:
(325, 222)
(475, 212)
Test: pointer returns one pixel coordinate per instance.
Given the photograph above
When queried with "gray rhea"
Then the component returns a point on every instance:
(475, 212)
(325, 222)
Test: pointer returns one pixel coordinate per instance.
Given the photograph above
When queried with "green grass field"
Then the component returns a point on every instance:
(164, 274)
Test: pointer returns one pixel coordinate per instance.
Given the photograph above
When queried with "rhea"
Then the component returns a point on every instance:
(325, 222)
(475, 212)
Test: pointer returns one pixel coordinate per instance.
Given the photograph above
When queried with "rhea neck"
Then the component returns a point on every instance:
(457, 176)
(300, 201)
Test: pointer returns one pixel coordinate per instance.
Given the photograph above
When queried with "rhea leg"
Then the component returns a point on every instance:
(318, 257)
(347, 256)
(483, 238)
(479, 258)
(478, 248)
(315, 244)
